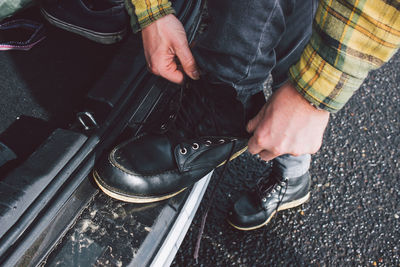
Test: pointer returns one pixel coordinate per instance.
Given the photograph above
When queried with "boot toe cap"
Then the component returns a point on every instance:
(246, 213)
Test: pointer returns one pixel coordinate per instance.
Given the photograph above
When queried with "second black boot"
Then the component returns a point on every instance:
(206, 129)
(272, 193)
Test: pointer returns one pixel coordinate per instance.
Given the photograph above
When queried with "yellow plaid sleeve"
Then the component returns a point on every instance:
(350, 38)
(144, 12)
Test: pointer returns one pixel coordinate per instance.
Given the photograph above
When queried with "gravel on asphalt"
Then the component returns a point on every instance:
(353, 216)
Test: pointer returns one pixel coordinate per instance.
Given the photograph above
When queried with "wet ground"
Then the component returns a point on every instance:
(353, 216)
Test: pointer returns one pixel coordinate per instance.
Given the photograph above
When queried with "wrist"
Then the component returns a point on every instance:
(162, 11)
(301, 101)
(143, 14)
(156, 23)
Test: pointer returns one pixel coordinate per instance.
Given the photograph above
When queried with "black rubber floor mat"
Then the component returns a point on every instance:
(6, 154)
(23, 137)
(51, 80)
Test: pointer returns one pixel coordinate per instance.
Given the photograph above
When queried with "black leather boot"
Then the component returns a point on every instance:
(272, 194)
(206, 129)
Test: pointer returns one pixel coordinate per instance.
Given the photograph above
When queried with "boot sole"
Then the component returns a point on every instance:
(136, 199)
(103, 38)
(285, 206)
(139, 199)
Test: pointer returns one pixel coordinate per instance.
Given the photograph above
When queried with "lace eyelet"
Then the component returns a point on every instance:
(278, 187)
(172, 116)
(183, 151)
(208, 143)
(163, 126)
(283, 183)
(264, 199)
(195, 146)
(221, 141)
(273, 191)
(269, 195)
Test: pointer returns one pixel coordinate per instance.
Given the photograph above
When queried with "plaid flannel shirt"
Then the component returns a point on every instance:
(144, 12)
(349, 39)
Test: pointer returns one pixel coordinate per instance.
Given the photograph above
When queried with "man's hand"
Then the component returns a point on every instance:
(287, 124)
(162, 41)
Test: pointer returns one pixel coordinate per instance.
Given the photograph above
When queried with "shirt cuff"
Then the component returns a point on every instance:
(323, 85)
(144, 12)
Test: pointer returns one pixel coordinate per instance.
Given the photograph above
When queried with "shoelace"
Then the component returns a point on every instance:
(264, 192)
(210, 204)
(189, 124)
(183, 120)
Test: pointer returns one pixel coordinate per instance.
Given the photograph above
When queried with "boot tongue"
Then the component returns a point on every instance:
(201, 109)
(194, 117)
(212, 110)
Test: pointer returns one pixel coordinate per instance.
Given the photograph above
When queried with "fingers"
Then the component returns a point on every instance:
(167, 68)
(254, 146)
(172, 73)
(259, 143)
(255, 143)
(253, 123)
(266, 155)
(256, 122)
(175, 76)
(257, 146)
(187, 60)
(164, 43)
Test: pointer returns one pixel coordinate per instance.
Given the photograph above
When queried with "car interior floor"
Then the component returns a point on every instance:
(42, 88)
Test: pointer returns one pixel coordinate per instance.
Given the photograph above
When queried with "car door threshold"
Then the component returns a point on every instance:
(36, 232)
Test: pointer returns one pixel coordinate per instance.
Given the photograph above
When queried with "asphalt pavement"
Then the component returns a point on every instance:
(353, 216)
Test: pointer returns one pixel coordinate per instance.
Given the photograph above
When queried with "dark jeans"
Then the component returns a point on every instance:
(248, 40)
